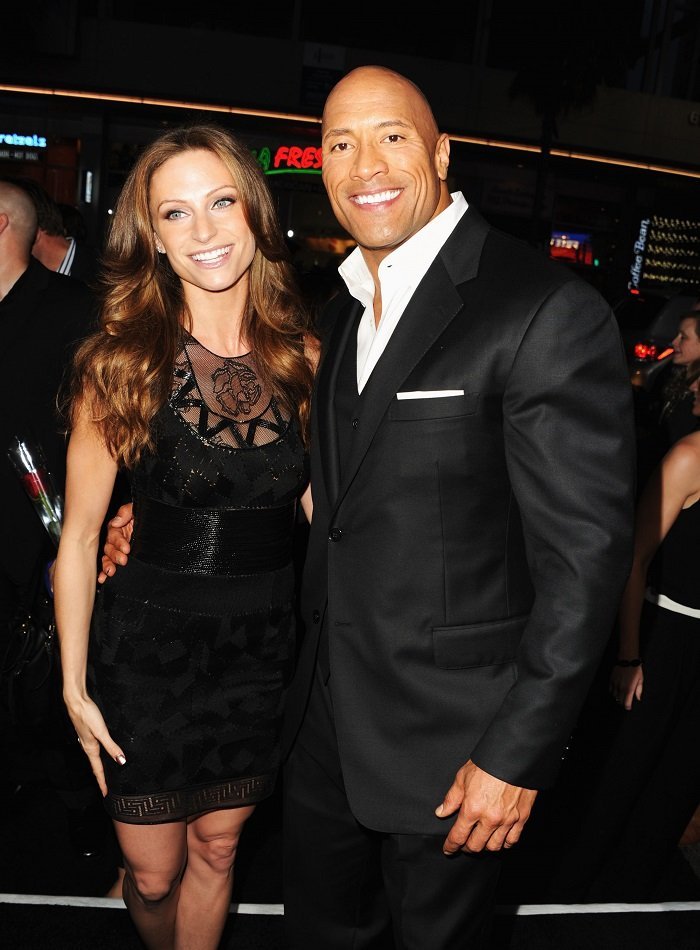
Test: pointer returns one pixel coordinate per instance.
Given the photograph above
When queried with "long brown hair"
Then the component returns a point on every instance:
(123, 372)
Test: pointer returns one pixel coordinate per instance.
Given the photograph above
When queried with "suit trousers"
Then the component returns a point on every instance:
(348, 887)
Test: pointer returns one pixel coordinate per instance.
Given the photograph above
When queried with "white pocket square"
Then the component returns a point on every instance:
(430, 393)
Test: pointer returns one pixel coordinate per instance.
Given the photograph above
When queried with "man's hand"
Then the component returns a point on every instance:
(492, 813)
(117, 547)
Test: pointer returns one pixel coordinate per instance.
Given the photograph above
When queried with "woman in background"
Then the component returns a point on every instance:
(649, 785)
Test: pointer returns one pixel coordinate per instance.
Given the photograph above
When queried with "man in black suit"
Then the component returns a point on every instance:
(42, 316)
(472, 471)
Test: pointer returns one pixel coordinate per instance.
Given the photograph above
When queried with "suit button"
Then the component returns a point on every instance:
(335, 534)
(355, 423)
(316, 616)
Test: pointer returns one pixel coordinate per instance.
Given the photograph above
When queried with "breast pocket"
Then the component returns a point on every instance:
(434, 407)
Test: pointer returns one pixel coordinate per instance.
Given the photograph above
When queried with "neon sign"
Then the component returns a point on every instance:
(640, 246)
(666, 253)
(33, 141)
(290, 160)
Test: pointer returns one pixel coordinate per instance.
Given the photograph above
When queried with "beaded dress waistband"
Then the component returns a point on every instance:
(212, 540)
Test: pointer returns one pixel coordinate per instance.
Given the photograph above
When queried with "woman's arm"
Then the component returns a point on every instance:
(673, 485)
(91, 472)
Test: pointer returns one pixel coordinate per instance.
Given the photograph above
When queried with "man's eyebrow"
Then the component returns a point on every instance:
(387, 123)
(338, 131)
(384, 124)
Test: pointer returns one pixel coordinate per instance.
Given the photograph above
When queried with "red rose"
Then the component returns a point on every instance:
(34, 484)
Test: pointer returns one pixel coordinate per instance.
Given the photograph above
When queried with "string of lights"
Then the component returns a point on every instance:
(316, 120)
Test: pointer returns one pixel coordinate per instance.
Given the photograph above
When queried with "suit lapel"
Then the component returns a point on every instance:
(433, 306)
(431, 309)
(327, 436)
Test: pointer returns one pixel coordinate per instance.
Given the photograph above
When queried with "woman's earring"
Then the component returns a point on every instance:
(159, 247)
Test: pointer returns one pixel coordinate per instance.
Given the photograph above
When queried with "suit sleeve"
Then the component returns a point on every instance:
(569, 441)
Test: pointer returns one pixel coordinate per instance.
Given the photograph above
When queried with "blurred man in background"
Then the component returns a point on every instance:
(42, 316)
(54, 246)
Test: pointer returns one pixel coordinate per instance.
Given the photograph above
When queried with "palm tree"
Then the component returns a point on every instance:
(563, 55)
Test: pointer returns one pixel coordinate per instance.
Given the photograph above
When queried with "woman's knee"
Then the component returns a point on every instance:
(151, 887)
(213, 838)
(217, 851)
(154, 859)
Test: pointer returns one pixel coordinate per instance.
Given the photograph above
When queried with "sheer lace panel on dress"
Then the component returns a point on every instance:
(223, 398)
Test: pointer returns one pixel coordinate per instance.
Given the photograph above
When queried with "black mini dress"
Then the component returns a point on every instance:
(192, 642)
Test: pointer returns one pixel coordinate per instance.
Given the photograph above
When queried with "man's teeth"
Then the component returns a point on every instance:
(377, 198)
(211, 255)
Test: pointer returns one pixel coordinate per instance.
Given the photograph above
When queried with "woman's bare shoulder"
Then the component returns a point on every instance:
(688, 446)
(682, 461)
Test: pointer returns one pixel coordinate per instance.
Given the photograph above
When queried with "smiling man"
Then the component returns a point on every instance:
(472, 468)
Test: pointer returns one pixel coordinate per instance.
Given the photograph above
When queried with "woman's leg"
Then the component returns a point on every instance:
(178, 878)
(154, 858)
(205, 890)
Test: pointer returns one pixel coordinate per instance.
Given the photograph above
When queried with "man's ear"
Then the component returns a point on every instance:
(442, 156)
(4, 220)
(39, 237)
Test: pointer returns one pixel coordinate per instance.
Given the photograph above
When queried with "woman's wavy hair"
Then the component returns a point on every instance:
(123, 372)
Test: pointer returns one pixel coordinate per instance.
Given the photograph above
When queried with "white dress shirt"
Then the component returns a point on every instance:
(399, 274)
(67, 262)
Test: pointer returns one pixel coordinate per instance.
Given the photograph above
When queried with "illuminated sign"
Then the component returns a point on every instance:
(31, 141)
(639, 248)
(575, 248)
(290, 160)
(666, 253)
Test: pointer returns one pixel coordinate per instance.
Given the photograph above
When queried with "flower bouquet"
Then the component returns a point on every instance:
(30, 464)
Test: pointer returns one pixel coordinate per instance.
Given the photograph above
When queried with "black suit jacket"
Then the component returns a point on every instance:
(86, 263)
(469, 563)
(41, 318)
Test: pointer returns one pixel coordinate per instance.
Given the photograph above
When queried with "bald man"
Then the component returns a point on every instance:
(42, 315)
(53, 246)
(472, 471)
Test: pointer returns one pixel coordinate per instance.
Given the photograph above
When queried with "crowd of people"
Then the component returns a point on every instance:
(455, 422)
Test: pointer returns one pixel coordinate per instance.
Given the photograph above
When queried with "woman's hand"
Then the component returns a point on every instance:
(626, 683)
(92, 733)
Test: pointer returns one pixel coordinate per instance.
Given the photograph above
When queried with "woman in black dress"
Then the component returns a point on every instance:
(645, 785)
(198, 385)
